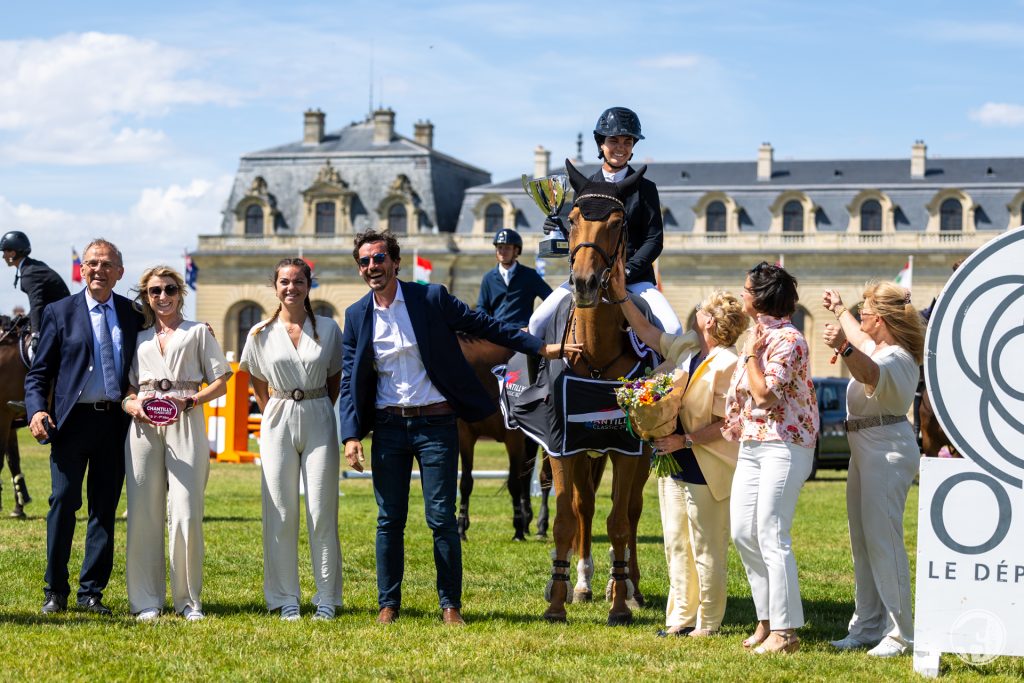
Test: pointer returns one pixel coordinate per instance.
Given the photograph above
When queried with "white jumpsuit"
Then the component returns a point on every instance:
(166, 470)
(298, 437)
(883, 463)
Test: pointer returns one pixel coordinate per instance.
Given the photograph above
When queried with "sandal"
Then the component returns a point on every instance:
(778, 642)
(757, 637)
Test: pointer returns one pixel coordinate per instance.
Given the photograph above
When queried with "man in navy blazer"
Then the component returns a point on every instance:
(84, 354)
(404, 377)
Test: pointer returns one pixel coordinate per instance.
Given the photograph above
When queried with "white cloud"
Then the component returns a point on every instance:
(670, 61)
(80, 98)
(156, 229)
(998, 114)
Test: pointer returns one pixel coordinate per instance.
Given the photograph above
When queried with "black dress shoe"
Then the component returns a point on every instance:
(54, 603)
(93, 604)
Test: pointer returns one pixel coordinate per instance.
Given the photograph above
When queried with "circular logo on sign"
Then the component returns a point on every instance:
(985, 632)
(160, 410)
(974, 348)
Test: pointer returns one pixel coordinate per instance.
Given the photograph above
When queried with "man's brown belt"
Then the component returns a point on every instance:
(434, 409)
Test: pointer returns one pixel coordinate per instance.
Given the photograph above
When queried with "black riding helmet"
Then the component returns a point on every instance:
(616, 121)
(16, 241)
(508, 236)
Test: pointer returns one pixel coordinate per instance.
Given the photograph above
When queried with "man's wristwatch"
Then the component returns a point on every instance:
(687, 441)
(190, 403)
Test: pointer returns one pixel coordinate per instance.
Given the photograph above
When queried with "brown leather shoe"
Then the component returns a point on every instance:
(452, 616)
(387, 615)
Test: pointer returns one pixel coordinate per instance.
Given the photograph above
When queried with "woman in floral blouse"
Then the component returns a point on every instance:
(772, 411)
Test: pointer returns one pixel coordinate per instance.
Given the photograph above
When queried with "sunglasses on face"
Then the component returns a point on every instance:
(169, 290)
(378, 258)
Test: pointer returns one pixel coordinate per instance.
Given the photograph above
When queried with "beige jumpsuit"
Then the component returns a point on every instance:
(166, 470)
(298, 438)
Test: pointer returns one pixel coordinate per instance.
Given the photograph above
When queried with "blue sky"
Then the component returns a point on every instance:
(127, 120)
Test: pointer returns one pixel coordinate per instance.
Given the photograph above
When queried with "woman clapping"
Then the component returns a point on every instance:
(882, 351)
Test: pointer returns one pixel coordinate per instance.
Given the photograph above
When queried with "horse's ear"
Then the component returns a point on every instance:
(576, 179)
(627, 183)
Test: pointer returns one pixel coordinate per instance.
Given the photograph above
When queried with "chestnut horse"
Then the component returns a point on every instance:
(13, 366)
(483, 355)
(597, 242)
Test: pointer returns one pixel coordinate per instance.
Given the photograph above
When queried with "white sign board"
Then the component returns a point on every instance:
(970, 562)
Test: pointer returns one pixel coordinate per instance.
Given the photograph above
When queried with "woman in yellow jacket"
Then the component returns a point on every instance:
(695, 502)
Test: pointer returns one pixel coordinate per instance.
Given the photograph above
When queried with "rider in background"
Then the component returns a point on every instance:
(616, 132)
(508, 290)
(40, 282)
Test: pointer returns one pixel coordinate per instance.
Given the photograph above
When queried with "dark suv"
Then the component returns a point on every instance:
(832, 450)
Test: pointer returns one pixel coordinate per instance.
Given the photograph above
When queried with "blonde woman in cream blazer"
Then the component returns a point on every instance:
(695, 502)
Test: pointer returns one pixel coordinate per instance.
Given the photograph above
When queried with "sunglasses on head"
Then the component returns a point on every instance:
(378, 258)
(169, 290)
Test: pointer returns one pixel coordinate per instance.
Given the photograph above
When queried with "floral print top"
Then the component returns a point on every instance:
(785, 363)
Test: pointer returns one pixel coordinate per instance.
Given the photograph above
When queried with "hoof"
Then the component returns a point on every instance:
(582, 596)
(519, 537)
(620, 618)
(540, 535)
(555, 617)
(462, 536)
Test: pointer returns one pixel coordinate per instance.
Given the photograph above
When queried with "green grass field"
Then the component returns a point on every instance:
(505, 638)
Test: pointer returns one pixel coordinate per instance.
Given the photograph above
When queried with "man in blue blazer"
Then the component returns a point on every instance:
(508, 290)
(86, 345)
(404, 377)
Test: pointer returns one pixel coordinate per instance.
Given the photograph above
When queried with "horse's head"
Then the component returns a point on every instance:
(597, 232)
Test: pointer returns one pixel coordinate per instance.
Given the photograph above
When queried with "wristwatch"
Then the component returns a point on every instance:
(687, 441)
(847, 349)
(190, 403)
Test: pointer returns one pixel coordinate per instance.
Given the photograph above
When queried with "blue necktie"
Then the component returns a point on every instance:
(110, 383)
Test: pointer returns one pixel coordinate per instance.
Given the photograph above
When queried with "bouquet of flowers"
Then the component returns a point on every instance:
(651, 404)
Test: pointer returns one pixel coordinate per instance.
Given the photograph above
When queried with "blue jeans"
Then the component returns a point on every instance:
(434, 443)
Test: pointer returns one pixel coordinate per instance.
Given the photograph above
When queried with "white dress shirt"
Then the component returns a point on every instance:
(506, 273)
(401, 377)
(615, 177)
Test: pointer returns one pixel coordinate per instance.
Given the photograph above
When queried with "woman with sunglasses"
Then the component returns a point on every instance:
(882, 351)
(772, 410)
(167, 464)
(294, 359)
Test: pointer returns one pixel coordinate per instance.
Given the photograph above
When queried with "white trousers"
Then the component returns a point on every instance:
(768, 478)
(883, 463)
(696, 530)
(289, 448)
(166, 469)
(660, 308)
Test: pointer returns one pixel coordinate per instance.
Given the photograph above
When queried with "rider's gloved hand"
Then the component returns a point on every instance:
(554, 224)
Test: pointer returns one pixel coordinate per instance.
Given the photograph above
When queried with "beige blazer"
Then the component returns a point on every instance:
(704, 403)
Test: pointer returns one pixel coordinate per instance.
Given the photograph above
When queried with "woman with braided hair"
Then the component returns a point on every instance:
(882, 352)
(294, 359)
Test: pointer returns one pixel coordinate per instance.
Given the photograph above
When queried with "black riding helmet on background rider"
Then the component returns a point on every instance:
(617, 123)
(16, 241)
(509, 236)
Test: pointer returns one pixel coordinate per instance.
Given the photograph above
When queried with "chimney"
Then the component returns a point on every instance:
(313, 127)
(918, 155)
(424, 133)
(383, 126)
(541, 161)
(764, 161)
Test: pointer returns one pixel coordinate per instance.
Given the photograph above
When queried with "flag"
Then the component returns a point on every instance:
(191, 272)
(421, 271)
(76, 267)
(905, 278)
(312, 271)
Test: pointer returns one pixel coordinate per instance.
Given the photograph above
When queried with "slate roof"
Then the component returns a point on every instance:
(831, 184)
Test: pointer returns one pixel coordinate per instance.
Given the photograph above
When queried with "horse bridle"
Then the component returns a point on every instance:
(606, 274)
(620, 243)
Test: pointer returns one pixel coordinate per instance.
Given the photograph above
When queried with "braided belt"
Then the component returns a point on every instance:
(168, 385)
(868, 422)
(298, 394)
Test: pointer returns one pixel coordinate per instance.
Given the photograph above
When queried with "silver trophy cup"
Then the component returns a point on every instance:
(549, 193)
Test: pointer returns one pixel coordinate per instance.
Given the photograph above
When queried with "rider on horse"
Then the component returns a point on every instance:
(617, 130)
(43, 286)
